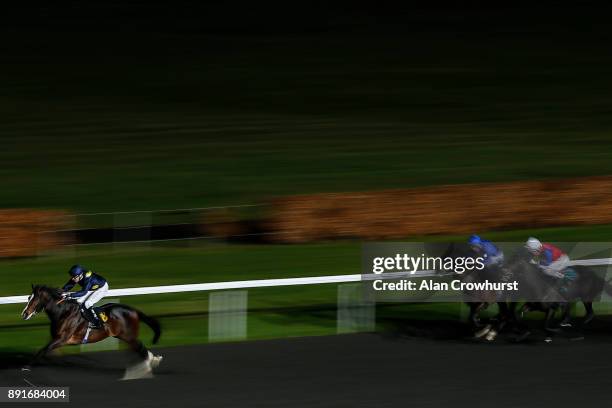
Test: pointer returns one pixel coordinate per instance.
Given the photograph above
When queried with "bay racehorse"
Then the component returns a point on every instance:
(69, 327)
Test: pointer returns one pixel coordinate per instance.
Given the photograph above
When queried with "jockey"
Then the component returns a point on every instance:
(548, 257)
(492, 255)
(93, 288)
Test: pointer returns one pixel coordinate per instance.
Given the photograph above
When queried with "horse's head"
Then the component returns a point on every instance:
(519, 263)
(39, 299)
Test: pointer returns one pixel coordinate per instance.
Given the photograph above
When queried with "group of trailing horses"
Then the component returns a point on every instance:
(538, 292)
(69, 327)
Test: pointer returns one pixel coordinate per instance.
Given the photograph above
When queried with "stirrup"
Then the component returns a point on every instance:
(98, 324)
(93, 319)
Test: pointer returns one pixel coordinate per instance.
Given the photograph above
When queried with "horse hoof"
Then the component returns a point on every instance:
(156, 361)
(588, 319)
(491, 335)
(138, 372)
(485, 330)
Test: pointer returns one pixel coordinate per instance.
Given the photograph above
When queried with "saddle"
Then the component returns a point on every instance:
(101, 312)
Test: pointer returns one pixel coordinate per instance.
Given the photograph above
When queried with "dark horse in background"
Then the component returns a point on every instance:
(537, 292)
(69, 327)
(542, 293)
(480, 301)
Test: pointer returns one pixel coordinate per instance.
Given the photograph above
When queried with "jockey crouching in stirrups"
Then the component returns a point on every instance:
(493, 257)
(551, 260)
(555, 263)
(93, 288)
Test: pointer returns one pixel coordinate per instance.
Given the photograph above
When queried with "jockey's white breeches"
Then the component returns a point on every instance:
(93, 296)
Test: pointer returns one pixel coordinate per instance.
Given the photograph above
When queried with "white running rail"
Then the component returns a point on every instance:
(263, 283)
(259, 283)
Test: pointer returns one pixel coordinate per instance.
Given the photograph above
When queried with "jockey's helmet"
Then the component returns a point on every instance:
(475, 240)
(533, 245)
(76, 270)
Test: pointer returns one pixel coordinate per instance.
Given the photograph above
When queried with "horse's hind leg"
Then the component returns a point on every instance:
(520, 326)
(131, 338)
(588, 317)
(142, 369)
(139, 348)
(144, 353)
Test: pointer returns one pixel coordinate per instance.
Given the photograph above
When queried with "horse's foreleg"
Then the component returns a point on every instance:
(504, 310)
(475, 309)
(512, 312)
(566, 316)
(520, 312)
(550, 314)
(52, 345)
(504, 314)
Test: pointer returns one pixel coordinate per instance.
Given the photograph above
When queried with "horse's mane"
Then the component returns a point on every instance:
(55, 293)
(54, 297)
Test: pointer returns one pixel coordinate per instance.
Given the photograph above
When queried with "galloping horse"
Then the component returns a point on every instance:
(69, 327)
(543, 293)
(478, 301)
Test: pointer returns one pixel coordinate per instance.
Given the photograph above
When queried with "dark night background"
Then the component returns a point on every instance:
(278, 86)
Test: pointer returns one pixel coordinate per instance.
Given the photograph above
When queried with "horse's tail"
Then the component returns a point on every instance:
(152, 323)
(607, 287)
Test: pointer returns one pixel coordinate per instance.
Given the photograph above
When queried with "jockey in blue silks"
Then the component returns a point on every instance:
(93, 288)
(491, 254)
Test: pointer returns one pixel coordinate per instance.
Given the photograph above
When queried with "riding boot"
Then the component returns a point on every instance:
(95, 320)
(91, 317)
